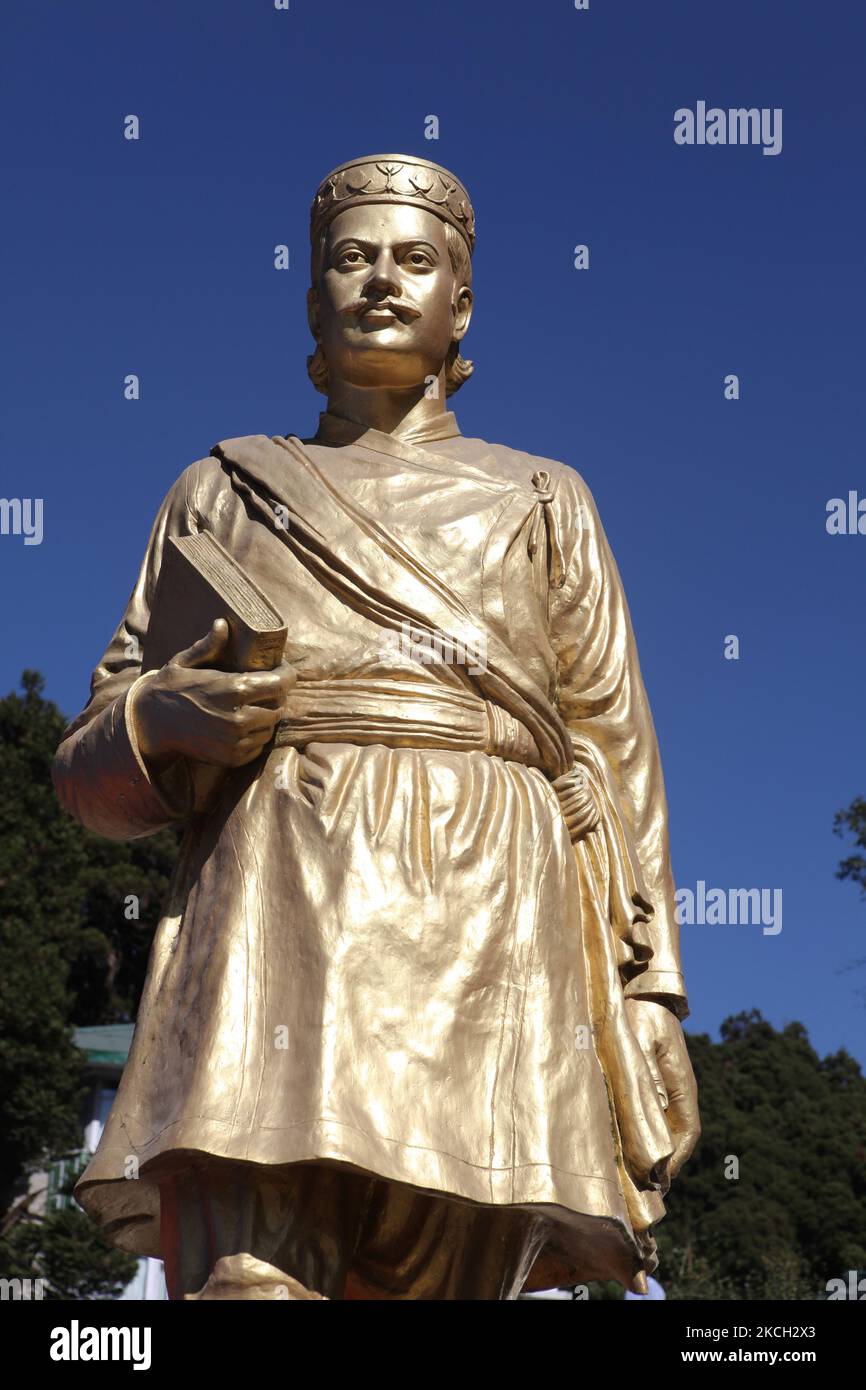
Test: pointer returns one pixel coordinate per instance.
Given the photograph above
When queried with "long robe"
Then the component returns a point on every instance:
(381, 948)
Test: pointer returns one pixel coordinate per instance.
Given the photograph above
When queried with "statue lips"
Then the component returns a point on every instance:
(382, 315)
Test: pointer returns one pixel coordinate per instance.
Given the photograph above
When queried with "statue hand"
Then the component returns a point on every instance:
(220, 717)
(577, 803)
(661, 1040)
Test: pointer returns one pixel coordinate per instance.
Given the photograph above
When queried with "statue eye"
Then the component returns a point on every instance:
(352, 257)
(419, 258)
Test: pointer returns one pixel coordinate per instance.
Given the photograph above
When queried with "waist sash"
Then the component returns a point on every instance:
(402, 714)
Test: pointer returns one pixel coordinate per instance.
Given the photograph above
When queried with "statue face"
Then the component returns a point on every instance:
(387, 307)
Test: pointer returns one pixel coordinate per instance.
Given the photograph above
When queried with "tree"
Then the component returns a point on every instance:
(772, 1203)
(852, 821)
(68, 1251)
(69, 954)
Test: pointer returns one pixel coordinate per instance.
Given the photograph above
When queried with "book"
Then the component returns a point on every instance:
(199, 581)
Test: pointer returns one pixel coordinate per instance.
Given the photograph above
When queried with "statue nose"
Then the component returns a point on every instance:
(384, 276)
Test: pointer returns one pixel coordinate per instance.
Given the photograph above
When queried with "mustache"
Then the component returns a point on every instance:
(399, 308)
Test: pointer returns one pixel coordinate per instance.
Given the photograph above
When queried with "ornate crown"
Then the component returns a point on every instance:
(394, 178)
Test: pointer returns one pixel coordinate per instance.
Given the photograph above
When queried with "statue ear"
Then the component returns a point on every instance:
(463, 312)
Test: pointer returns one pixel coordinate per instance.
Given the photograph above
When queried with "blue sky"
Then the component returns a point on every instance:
(156, 257)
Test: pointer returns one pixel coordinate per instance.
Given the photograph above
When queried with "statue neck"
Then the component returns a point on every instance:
(397, 412)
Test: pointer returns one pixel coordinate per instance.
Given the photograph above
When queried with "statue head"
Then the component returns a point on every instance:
(391, 298)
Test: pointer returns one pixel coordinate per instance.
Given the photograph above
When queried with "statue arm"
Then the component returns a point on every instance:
(602, 698)
(99, 773)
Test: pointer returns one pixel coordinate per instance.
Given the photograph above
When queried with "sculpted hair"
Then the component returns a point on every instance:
(457, 369)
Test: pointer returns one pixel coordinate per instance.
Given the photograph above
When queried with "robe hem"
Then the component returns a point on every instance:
(130, 1209)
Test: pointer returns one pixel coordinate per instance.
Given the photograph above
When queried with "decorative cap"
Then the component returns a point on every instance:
(394, 178)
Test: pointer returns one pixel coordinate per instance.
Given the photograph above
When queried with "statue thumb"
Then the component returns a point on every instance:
(207, 649)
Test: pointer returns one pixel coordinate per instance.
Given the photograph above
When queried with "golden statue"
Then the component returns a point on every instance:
(412, 1021)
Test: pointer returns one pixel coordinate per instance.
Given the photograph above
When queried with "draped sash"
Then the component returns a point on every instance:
(357, 558)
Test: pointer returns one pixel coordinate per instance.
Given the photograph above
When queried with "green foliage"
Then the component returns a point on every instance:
(852, 821)
(68, 955)
(41, 855)
(70, 1252)
(796, 1215)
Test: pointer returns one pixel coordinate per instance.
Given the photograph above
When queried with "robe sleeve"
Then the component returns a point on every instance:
(99, 773)
(601, 698)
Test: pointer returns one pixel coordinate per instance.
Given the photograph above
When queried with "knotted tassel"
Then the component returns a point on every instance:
(545, 515)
